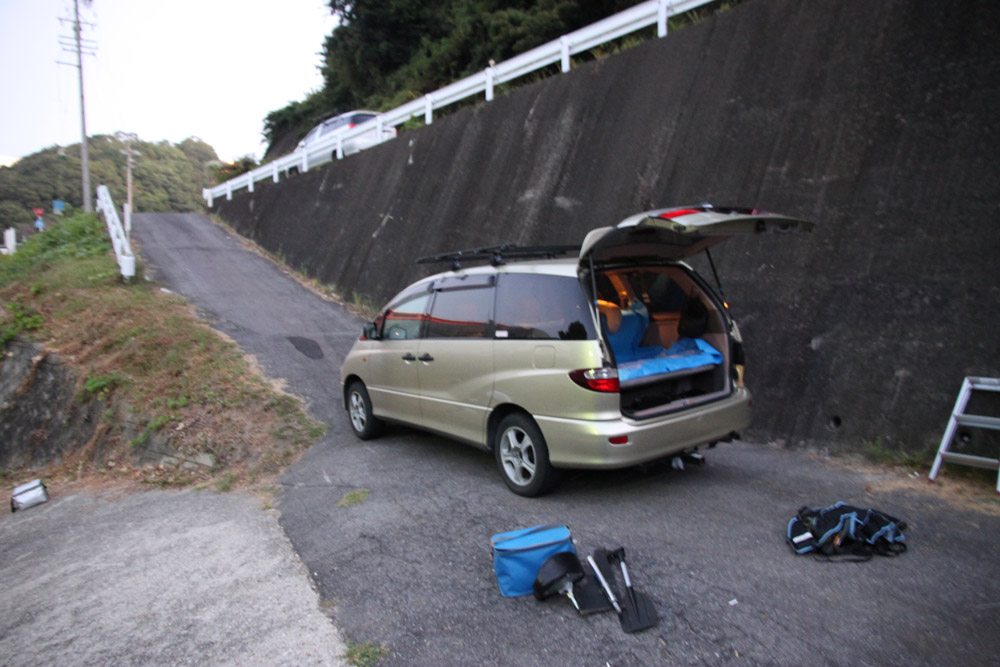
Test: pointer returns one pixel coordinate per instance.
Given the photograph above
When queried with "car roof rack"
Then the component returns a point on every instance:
(498, 255)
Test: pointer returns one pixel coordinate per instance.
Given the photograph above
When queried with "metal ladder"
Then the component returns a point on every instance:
(959, 418)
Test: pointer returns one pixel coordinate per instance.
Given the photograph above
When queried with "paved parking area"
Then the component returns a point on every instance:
(410, 568)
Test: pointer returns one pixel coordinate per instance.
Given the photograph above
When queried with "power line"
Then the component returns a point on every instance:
(81, 47)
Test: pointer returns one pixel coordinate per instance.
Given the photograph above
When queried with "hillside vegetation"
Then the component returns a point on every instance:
(150, 362)
(165, 177)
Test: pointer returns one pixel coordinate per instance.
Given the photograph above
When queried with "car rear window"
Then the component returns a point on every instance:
(335, 124)
(533, 306)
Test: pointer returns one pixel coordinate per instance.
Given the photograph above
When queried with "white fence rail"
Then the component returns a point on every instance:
(652, 12)
(9, 242)
(123, 249)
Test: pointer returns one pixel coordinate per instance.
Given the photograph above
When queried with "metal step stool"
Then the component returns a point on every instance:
(959, 418)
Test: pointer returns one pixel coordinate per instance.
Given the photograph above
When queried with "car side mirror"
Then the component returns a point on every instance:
(370, 331)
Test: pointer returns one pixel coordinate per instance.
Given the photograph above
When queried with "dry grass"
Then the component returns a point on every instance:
(163, 373)
(961, 487)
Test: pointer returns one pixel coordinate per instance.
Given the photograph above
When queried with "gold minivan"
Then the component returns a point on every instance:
(608, 355)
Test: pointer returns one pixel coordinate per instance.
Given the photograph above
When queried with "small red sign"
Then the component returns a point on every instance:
(38, 211)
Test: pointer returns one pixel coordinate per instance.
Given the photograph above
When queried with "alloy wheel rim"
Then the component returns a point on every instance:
(358, 417)
(517, 454)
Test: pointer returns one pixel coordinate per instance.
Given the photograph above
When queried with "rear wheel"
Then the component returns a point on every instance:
(359, 408)
(522, 456)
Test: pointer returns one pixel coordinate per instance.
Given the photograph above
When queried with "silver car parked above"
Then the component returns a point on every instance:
(342, 135)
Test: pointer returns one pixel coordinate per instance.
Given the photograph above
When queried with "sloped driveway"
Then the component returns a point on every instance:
(409, 567)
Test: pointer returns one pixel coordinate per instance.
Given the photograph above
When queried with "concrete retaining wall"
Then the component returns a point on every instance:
(875, 118)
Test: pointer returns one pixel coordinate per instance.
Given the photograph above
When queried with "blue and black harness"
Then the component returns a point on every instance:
(845, 532)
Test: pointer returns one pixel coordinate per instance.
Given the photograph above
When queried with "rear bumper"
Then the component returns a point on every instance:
(587, 444)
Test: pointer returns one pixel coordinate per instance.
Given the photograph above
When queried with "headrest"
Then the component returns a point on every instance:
(694, 319)
(612, 315)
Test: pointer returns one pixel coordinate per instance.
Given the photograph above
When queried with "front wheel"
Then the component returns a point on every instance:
(523, 457)
(359, 408)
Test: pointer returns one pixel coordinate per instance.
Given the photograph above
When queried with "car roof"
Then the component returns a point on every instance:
(552, 267)
(349, 113)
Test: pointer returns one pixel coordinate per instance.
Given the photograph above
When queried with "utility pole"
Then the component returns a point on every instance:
(81, 47)
(130, 154)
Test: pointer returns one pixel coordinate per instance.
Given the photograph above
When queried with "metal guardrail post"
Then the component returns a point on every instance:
(664, 10)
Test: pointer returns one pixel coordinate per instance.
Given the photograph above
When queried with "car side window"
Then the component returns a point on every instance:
(461, 313)
(404, 321)
(542, 307)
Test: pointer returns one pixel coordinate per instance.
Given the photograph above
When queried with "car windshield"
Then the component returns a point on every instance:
(310, 136)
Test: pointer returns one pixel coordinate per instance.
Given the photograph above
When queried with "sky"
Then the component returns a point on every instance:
(164, 70)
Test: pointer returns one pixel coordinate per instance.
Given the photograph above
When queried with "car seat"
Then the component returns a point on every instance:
(694, 319)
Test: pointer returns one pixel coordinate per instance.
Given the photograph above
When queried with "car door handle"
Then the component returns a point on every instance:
(409, 357)
(426, 357)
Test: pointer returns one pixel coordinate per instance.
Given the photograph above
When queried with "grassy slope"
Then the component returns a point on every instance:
(146, 353)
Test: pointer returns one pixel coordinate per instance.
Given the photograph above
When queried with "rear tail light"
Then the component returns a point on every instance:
(597, 379)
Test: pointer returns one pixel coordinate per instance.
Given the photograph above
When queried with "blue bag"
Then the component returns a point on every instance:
(519, 554)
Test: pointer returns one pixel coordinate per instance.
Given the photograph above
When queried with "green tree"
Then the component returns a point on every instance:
(165, 177)
(225, 171)
(15, 215)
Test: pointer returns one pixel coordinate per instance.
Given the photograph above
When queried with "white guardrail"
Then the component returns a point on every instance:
(560, 50)
(123, 249)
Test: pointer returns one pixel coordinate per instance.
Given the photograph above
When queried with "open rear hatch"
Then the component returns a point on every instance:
(677, 233)
(672, 340)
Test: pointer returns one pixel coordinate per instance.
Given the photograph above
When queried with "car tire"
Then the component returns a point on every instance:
(522, 456)
(359, 411)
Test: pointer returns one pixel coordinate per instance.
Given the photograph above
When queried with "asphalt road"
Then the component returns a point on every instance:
(156, 578)
(410, 566)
